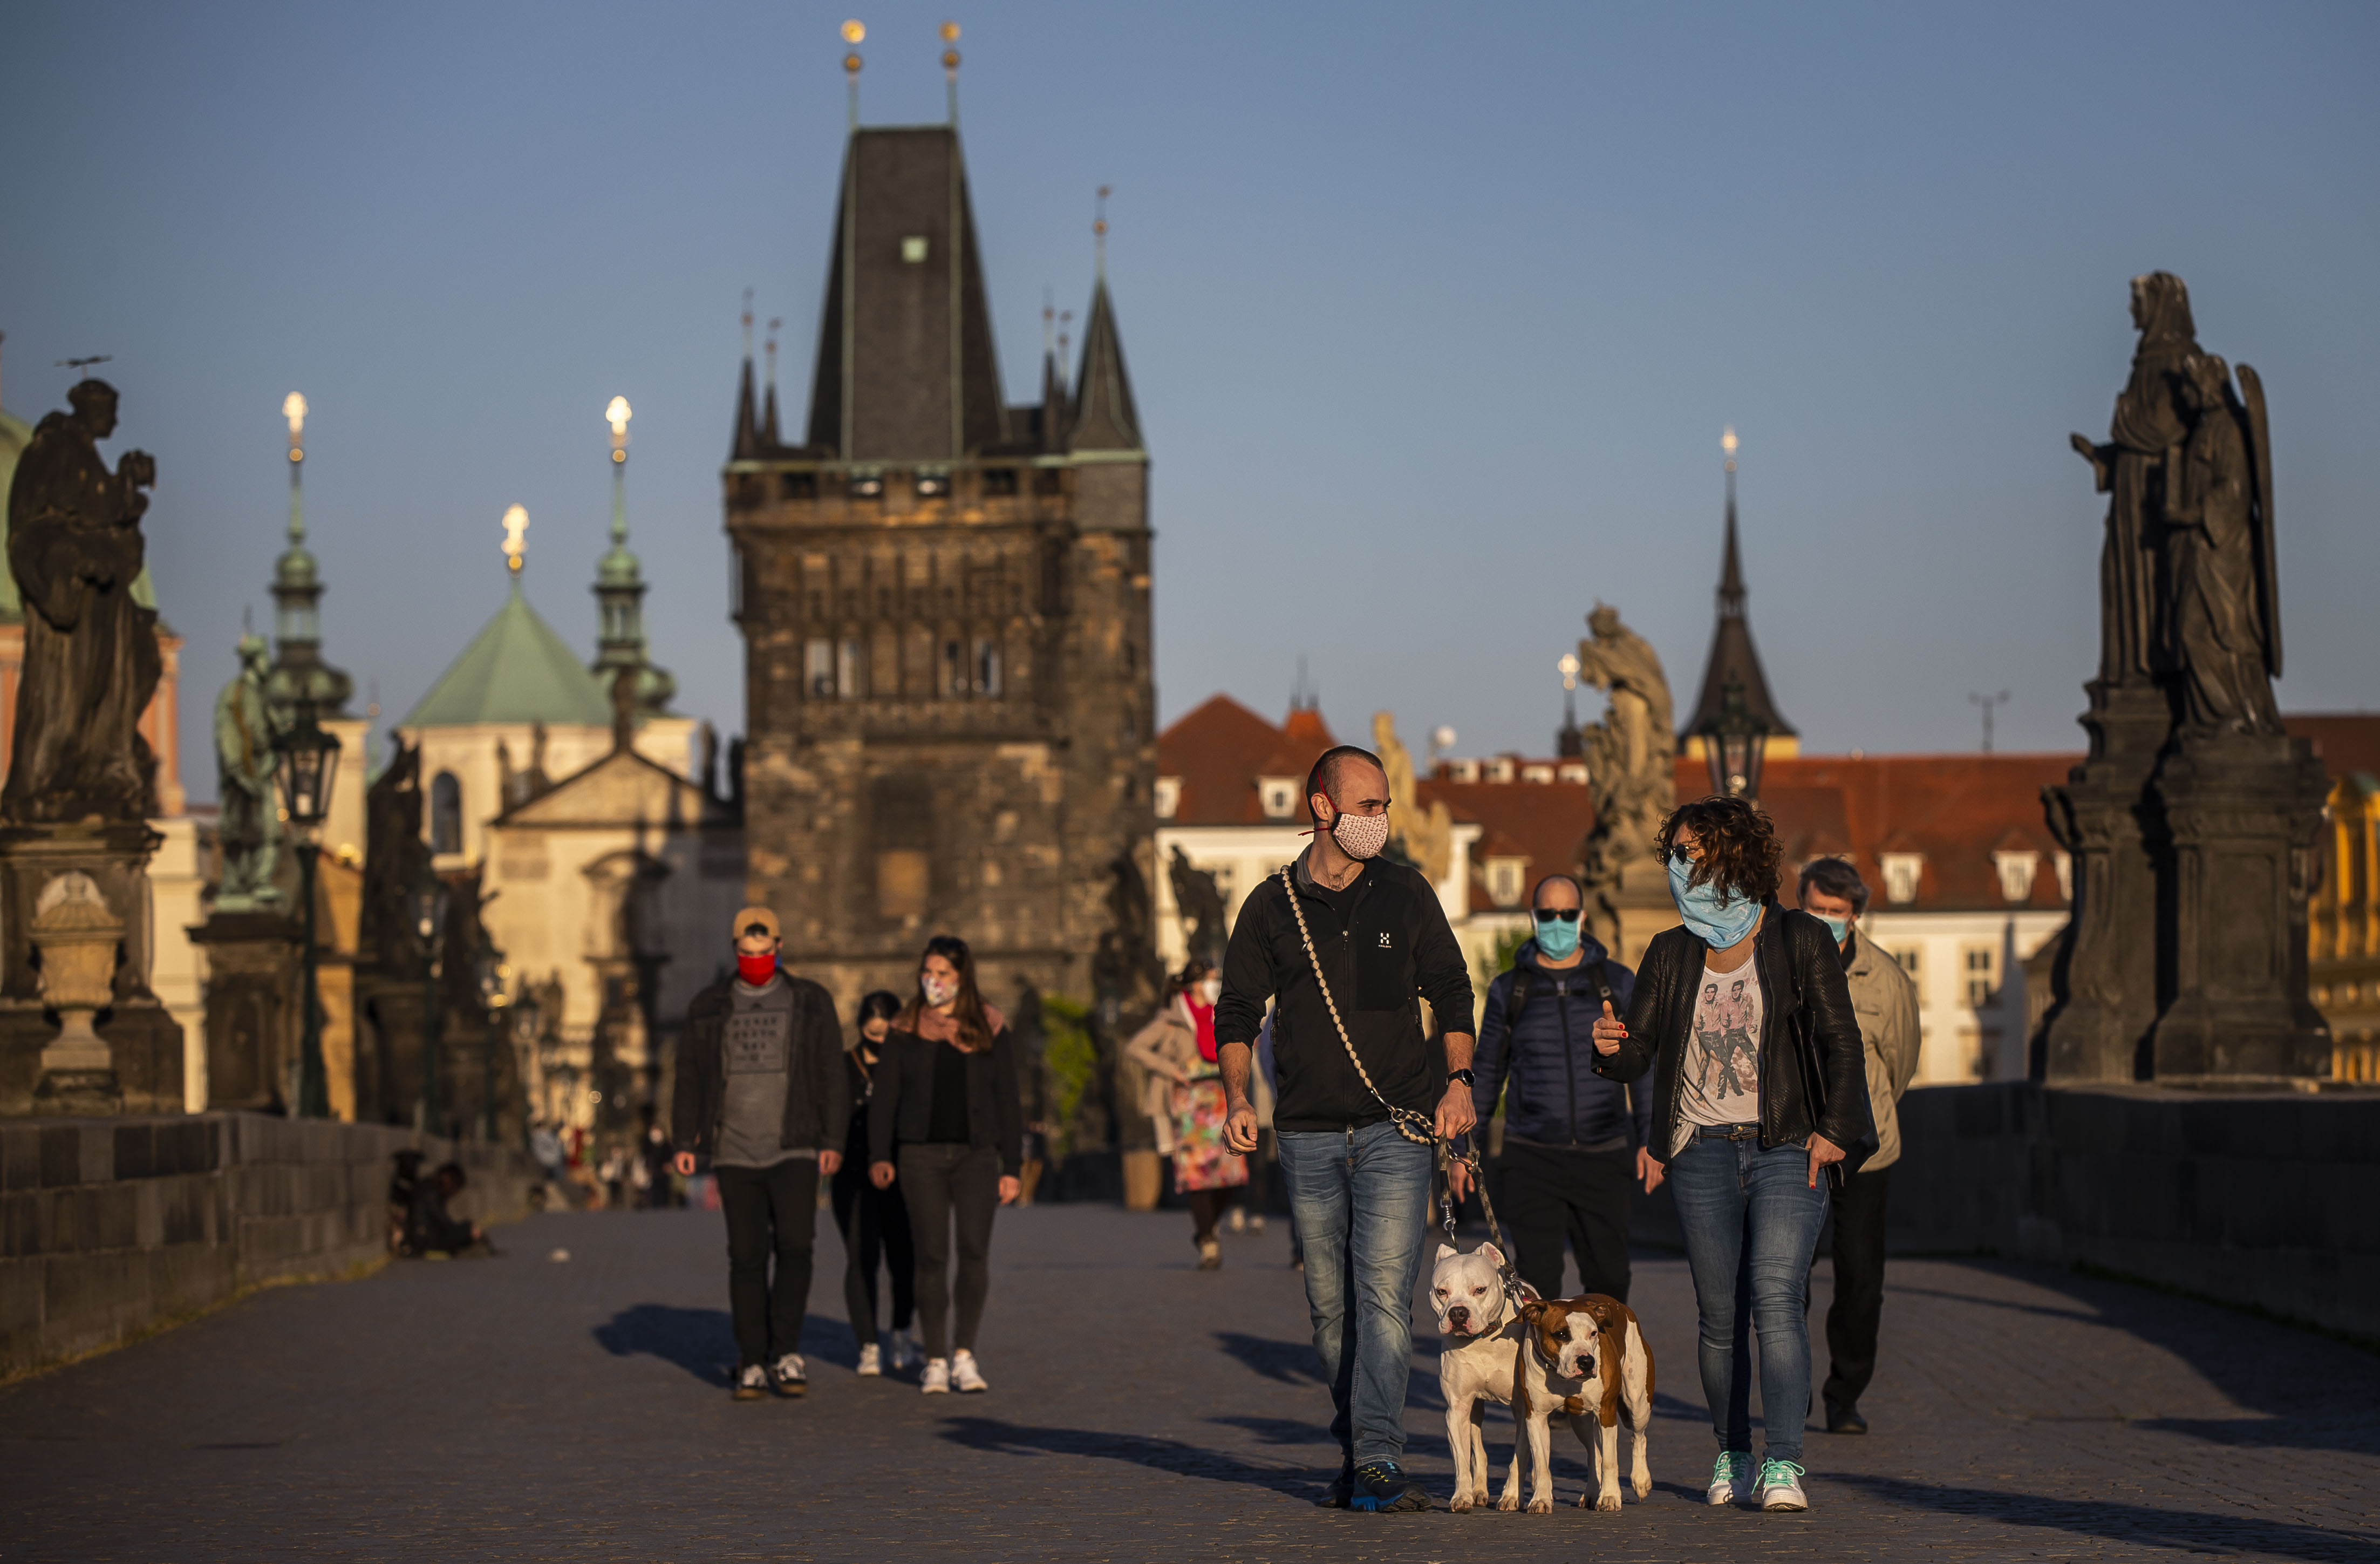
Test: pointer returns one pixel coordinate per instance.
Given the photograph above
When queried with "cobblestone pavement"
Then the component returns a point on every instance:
(1141, 1409)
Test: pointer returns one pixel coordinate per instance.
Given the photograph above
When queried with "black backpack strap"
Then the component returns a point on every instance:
(1523, 982)
(1603, 986)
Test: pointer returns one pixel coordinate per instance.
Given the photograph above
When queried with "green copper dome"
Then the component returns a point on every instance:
(517, 670)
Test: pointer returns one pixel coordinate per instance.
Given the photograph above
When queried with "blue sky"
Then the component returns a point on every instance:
(1434, 314)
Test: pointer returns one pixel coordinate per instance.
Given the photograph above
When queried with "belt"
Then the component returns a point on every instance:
(1727, 1132)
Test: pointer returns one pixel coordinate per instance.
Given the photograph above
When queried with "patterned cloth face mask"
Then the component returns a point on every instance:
(1360, 836)
(939, 991)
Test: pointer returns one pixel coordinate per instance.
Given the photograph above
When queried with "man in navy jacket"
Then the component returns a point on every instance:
(1572, 1139)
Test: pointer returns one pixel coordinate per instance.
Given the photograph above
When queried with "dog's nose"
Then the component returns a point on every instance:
(1458, 1314)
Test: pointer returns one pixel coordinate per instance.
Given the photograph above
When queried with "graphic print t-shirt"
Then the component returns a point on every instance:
(755, 1052)
(1719, 1068)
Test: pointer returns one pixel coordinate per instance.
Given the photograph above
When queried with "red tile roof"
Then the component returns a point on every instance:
(2347, 741)
(1220, 748)
(1543, 822)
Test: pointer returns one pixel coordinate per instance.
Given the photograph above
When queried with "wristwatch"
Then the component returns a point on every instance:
(1463, 1075)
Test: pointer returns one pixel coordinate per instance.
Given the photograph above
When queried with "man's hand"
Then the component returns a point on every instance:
(1822, 1151)
(1648, 1169)
(1456, 1112)
(1010, 1188)
(1458, 1179)
(1240, 1127)
(830, 1162)
(1610, 1032)
(881, 1174)
(684, 1163)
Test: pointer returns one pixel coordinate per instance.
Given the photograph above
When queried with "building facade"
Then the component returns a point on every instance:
(945, 607)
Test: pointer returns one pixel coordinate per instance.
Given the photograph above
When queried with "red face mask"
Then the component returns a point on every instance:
(756, 969)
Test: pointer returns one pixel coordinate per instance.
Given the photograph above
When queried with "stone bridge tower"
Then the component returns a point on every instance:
(945, 607)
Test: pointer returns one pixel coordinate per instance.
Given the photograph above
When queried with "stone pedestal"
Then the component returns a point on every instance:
(1627, 912)
(2104, 980)
(123, 1054)
(2237, 818)
(253, 973)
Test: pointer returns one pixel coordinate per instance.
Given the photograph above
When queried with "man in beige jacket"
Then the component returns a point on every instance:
(1885, 1000)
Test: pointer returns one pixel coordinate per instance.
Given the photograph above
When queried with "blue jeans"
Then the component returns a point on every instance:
(1360, 1201)
(1751, 1223)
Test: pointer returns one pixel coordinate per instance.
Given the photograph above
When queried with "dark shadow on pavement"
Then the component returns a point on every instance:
(700, 1341)
(1289, 1362)
(1279, 1429)
(2191, 1530)
(1138, 1449)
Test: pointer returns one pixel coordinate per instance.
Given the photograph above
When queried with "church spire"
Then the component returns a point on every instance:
(1104, 417)
(748, 428)
(1734, 672)
(620, 592)
(300, 683)
(769, 435)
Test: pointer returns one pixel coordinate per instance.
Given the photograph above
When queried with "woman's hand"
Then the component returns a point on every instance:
(1822, 1151)
(1010, 1188)
(1649, 1169)
(881, 1174)
(1610, 1030)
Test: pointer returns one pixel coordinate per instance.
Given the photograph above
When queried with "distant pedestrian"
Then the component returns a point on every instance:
(947, 1092)
(761, 1092)
(1186, 1101)
(1574, 1140)
(874, 1222)
(1761, 1090)
(653, 1152)
(1348, 944)
(1885, 1002)
(431, 1227)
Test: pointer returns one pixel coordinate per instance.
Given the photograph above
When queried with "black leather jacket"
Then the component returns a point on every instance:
(1807, 1015)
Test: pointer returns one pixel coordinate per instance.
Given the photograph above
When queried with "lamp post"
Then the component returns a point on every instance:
(310, 762)
(429, 921)
(1733, 742)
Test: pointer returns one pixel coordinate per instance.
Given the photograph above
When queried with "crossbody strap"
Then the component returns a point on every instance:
(1415, 1126)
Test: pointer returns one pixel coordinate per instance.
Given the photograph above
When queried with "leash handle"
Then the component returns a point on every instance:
(1404, 1118)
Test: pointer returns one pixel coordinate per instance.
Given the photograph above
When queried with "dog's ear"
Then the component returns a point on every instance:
(1492, 1255)
(1445, 1251)
(1533, 1309)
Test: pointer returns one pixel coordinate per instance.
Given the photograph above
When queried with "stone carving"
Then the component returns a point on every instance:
(76, 934)
(1198, 903)
(2223, 634)
(90, 653)
(1631, 773)
(1424, 836)
(2130, 470)
(245, 761)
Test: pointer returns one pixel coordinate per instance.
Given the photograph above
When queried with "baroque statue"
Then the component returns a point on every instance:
(246, 760)
(1631, 774)
(2223, 635)
(1424, 836)
(1198, 903)
(92, 661)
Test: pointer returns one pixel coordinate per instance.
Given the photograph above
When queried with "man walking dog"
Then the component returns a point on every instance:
(1347, 944)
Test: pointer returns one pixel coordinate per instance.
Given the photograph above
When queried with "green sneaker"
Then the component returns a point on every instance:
(1780, 1485)
(1731, 1477)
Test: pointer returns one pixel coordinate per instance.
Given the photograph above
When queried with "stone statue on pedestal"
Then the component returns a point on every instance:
(1425, 838)
(1631, 772)
(2192, 822)
(1199, 904)
(90, 653)
(245, 761)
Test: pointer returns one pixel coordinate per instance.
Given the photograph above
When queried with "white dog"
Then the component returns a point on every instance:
(1481, 1332)
(1583, 1359)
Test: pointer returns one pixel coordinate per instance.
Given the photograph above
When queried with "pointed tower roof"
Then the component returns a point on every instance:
(1104, 417)
(1732, 657)
(770, 438)
(517, 670)
(905, 367)
(748, 429)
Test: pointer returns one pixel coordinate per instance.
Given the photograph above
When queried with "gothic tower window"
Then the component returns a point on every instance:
(445, 814)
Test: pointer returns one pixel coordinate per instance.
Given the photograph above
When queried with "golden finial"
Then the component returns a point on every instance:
(617, 416)
(293, 408)
(1727, 444)
(854, 32)
(517, 536)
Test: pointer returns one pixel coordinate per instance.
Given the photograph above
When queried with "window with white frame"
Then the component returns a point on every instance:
(1168, 797)
(1507, 878)
(1982, 963)
(1902, 871)
(2016, 871)
(1278, 795)
(1911, 959)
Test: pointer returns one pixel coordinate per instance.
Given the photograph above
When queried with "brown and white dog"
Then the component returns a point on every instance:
(1584, 1361)
(1481, 1335)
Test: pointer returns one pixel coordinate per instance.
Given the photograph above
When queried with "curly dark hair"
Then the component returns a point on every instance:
(1740, 848)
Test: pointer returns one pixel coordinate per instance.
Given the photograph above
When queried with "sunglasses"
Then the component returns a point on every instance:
(1558, 914)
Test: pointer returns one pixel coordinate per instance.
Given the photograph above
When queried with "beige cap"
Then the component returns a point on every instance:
(751, 915)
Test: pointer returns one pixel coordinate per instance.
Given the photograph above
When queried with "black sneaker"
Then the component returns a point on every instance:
(1380, 1485)
(1844, 1419)
(1336, 1496)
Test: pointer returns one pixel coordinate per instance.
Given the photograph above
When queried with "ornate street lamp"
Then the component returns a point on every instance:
(309, 763)
(430, 922)
(1733, 742)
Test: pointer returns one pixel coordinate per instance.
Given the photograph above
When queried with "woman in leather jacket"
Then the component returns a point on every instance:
(1761, 1089)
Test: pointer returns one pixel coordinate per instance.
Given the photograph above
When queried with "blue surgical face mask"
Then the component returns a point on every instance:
(1717, 917)
(1557, 940)
(1839, 927)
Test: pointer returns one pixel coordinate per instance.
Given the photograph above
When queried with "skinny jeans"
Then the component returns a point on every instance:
(875, 1227)
(949, 1185)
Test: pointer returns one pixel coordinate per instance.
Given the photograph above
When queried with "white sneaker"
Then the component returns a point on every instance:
(1780, 1485)
(871, 1362)
(789, 1374)
(1730, 1478)
(1239, 1220)
(965, 1376)
(938, 1377)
